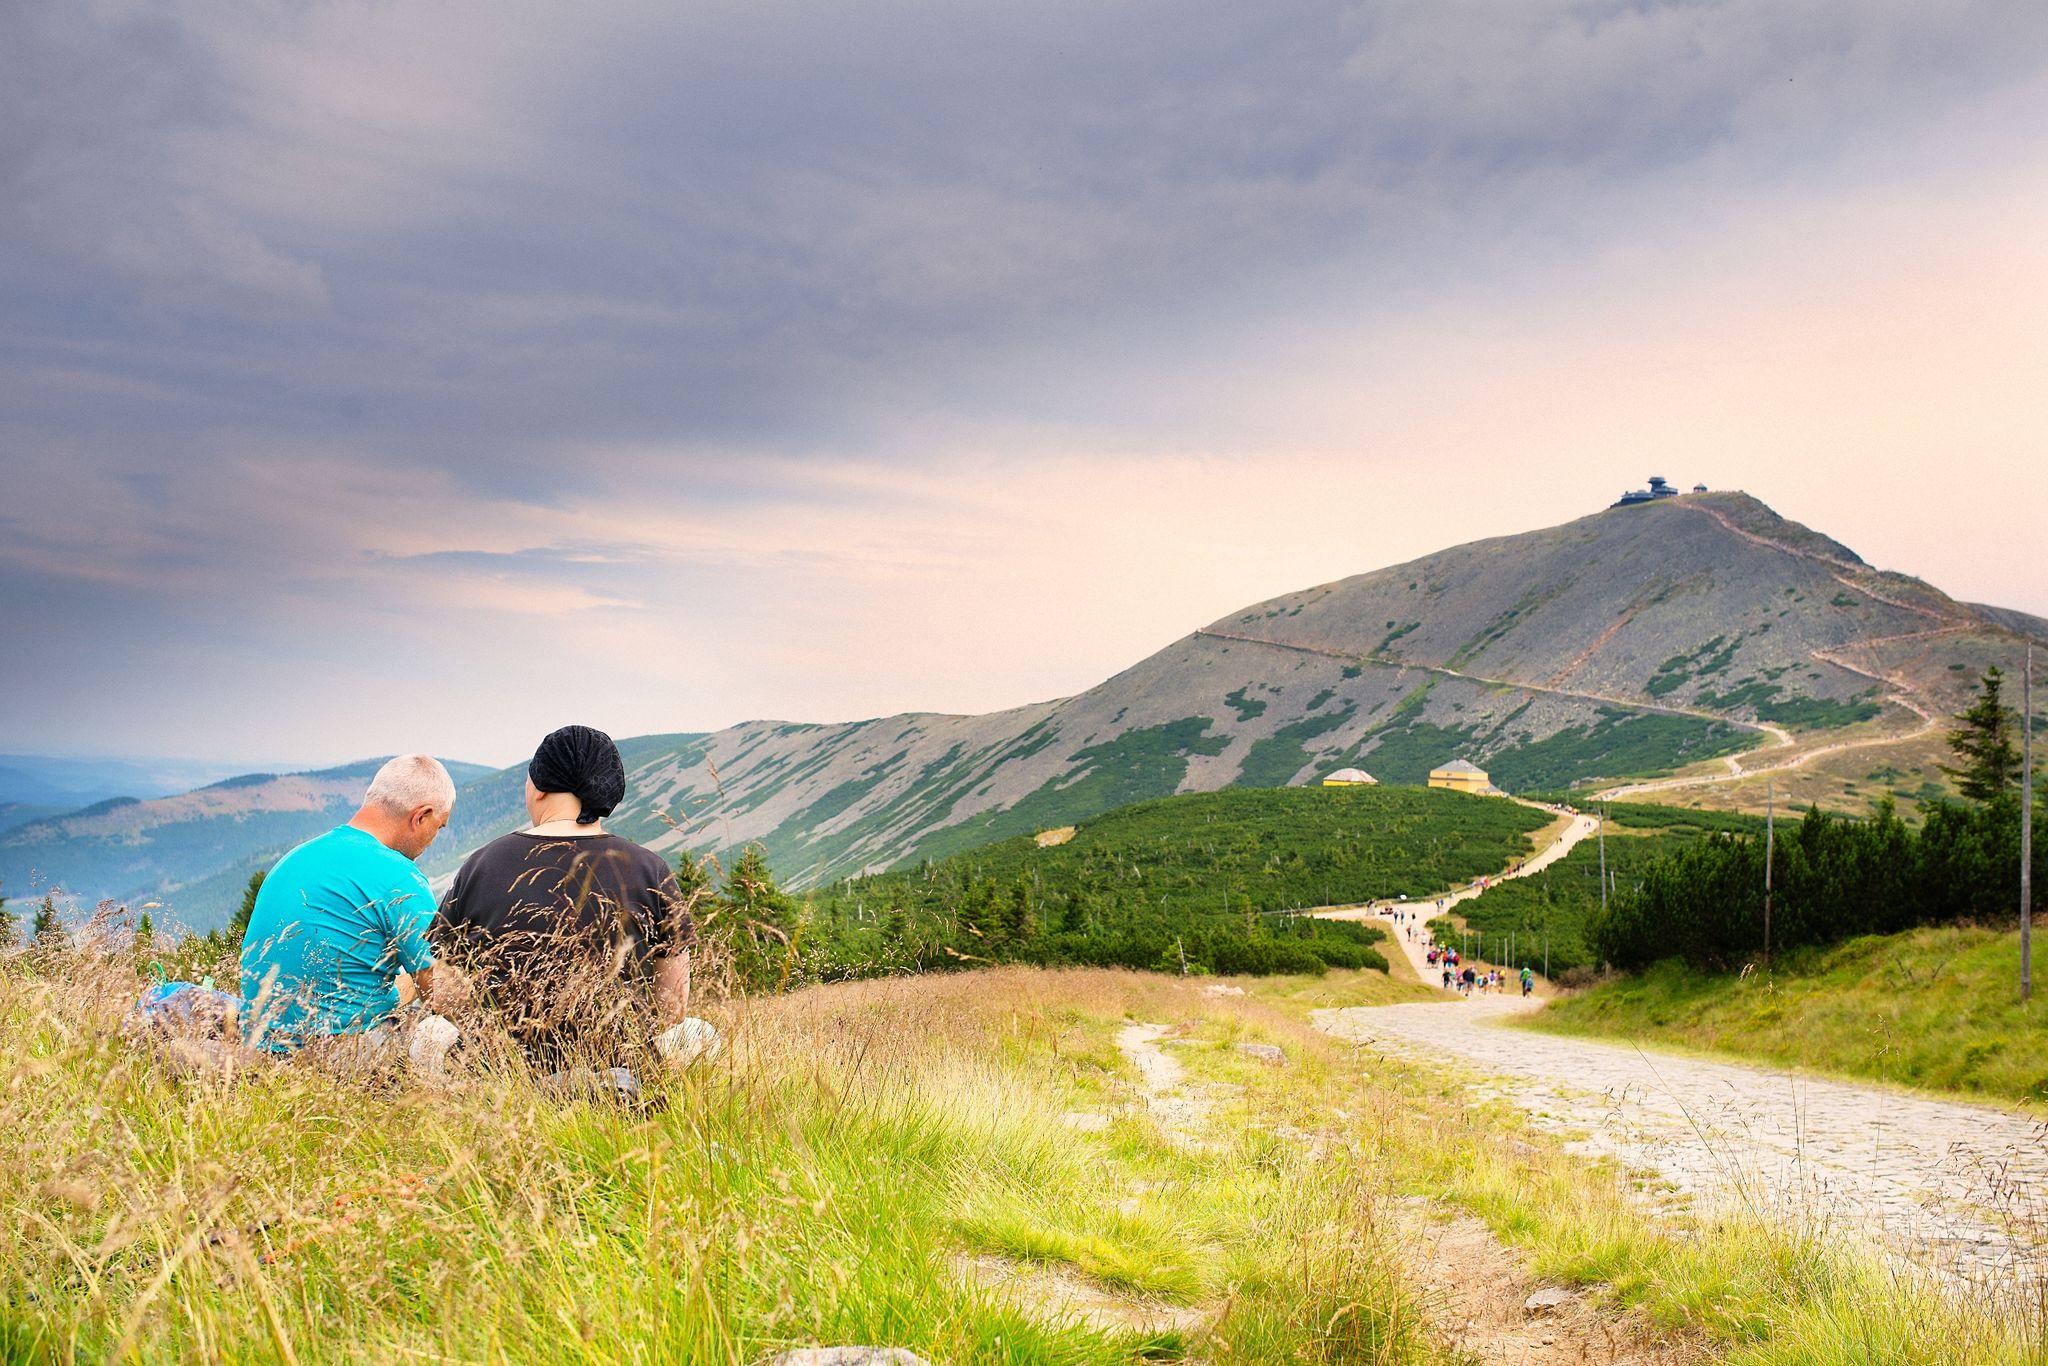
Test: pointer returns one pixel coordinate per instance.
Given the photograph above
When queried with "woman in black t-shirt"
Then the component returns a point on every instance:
(578, 938)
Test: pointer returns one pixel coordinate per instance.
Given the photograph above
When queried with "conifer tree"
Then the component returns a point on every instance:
(238, 928)
(47, 930)
(693, 876)
(7, 923)
(1984, 741)
(765, 922)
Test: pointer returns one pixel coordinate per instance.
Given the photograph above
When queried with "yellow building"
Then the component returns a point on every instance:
(1351, 777)
(1460, 776)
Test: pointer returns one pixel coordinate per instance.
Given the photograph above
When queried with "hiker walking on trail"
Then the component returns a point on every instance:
(1528, 981)
(1447, 976)
(1470, 977)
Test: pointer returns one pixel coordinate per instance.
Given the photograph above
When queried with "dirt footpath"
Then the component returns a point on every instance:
(1961, 1189)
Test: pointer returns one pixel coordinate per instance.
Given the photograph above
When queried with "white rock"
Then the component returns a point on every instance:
(1548, 1298)
(1264, 1052)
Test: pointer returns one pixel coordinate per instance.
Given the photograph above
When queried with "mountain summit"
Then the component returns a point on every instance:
(1640, 639)
(1698, 633)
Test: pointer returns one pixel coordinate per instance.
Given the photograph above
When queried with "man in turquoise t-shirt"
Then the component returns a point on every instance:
(344, 913)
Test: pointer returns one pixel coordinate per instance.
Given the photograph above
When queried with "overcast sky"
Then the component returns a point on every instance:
(383, 376)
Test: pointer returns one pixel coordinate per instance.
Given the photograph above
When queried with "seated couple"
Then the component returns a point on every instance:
(577, 939)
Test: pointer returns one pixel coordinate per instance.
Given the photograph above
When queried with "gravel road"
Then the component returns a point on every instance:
(1961, 1189)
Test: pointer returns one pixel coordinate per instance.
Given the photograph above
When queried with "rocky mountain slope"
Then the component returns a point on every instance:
(1635, 640)
(1701, 634)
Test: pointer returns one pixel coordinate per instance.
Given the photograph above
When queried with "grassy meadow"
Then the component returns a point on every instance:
(1935, 1008)
(964, 1165)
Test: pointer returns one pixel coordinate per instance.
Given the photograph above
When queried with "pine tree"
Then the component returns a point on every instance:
(765, 931)
(238, 928)
(7, 923)
(693, 876)
(751, 891)
(145, 934)
(1984, 741)
(47, 931)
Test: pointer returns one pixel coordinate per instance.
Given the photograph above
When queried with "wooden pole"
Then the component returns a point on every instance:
(1770, 855)
(2027, 831)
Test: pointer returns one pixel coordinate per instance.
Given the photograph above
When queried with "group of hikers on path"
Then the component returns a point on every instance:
(1465, 979)
(572, 941)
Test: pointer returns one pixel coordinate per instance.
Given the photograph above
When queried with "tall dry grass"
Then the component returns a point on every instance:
(817, 1183)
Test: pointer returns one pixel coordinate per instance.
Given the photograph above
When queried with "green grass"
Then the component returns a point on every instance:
(842, 1175)
(826, 1182)
(1934, 1008)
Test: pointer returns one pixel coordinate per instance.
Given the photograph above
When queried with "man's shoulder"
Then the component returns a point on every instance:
(362, 857)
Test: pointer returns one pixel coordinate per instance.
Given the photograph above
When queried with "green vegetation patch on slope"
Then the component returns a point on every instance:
(1150, 761)
(1274, 760)
(1618, 744)
(1246, 708)
(1200, 874)
(1800, 713)
(1936, 1008)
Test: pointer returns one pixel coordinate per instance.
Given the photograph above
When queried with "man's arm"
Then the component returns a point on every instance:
(672, 987)
(442, 988)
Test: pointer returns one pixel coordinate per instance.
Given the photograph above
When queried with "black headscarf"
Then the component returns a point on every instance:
(583, 761)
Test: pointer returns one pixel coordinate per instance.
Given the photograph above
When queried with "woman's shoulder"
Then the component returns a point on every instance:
(638, 856)
(514, 845)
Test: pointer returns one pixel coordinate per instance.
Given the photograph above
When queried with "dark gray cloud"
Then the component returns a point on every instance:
(276, 277)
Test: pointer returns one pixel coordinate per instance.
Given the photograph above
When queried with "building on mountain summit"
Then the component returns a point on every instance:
(1660, 487)
(1460, 776)
(1350, 777)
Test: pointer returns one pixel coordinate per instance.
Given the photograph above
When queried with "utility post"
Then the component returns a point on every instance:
(1603, 860)
(1770, 852)
(2027, 831)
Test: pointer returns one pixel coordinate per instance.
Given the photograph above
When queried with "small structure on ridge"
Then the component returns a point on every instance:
(1460, 776)
(1350, 777)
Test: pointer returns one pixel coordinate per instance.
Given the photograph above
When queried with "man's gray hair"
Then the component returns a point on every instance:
(411, 781)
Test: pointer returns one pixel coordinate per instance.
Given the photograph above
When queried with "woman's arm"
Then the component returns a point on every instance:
(672, 987)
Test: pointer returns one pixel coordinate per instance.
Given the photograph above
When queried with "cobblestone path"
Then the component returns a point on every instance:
(1961, 1189)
